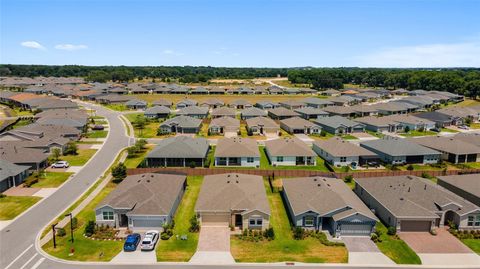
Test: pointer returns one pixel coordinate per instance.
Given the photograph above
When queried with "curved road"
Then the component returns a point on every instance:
(17, 240)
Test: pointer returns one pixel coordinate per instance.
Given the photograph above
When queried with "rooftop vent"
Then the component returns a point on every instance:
(228, 181)
(318, 185)
(148, 180)
(401, 198)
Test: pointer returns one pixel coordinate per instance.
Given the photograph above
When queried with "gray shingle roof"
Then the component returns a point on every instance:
(225, 122)
(180, 147)
(468, 183)
(146, 194)
(8, 169)
(323, 195)
(157, 110)
(337, 121)
(298, 123)
(223, 111)
(253, 111)
(193, 110)
(183, 121)
(410, 196)
(227, 192)
(288, 147)
(338, 147)
(262, 121)
(398, 147)
(447, 144)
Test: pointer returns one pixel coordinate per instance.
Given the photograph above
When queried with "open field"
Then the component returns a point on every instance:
(467, 102)
(12, 206)
(284, 247)
(175, 249)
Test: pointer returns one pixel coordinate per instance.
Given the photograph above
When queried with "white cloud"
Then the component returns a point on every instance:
(32, 45)
(172, 52)
(70, 47)
(466, 54)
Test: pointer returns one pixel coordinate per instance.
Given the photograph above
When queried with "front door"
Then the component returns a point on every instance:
(122, 220)
(238, 221)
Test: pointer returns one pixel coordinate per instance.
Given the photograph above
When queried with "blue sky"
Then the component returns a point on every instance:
(247, 33)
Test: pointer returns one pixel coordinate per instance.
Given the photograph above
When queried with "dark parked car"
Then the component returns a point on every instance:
(98, 127)
(131, 242)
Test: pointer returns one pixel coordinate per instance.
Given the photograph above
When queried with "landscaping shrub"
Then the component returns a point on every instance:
(252, 235)
(71, 149)
(298, 233)
(324, 240)
(194, 225)
(374, 237)
(2, 195)
(391, 230)
(61, 232)
(192, 164)
(165, 236)
(348, 179)
(119, 172)
(269, 234)
(90, 228)
(410, 167)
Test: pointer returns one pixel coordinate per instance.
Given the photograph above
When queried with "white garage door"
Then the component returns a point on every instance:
(147, 223)
(355, 229)
(215, 219)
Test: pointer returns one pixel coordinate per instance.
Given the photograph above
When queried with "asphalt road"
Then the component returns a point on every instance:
(17, 240)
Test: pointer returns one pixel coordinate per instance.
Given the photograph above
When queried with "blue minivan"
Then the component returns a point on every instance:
(131, 242)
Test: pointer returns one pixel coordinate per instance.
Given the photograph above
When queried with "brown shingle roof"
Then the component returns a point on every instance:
(237, 147)
(288, 147)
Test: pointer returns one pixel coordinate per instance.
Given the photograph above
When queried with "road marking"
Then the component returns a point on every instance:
(18, 257)
(37, 264)
(29, 260)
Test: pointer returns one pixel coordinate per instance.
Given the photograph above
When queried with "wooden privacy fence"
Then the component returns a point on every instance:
(294, 173)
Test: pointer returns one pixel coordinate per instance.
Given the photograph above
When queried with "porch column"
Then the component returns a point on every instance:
(183, 162)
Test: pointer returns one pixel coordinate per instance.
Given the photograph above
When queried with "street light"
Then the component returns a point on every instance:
(71, 224)
(53, 232)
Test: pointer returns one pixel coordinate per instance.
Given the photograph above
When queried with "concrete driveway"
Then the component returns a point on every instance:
(442, 249)
(135, 257)
(213, 246)
(363, 251)
(305, 138)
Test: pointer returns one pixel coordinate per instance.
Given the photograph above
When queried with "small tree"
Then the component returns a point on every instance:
(410, 167)
(140, 122)
(194, 225)
(192, 164)
(119, 172)
(348, 179)
(407, 129)
(391, 230)
(298, 233)
(90, 228)
(141, 143)
(56, 152)
(269, 234)
(71, 149)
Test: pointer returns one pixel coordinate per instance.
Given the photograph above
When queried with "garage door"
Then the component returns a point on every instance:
(216, 219)
(415, 226)
(147, 223)
(355, 229)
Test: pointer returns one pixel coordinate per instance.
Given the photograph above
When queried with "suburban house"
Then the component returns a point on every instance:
(236, 200)
(380, 124)
(179, 151)
(289, 151)
(339, 152)
(441, 120)
(414, 204)
(223, 112)
(224, 125)
(401, 151)
(112, 99)
(330, 92)
(267, 105)
(281, 113)
(363, 110)
(34, 159)
(292, 104)
(11, 175)
(311, 113)
(136, 104)
(340, 125)
(237, 151)
(142, 201)
(212, 103)
(297, 125)
(327, 204)
(67, 117)
(162, 102)
(252, 112)
(262, 126)
(196, 112)
(453, 150)
(199, 90)
(472, 138)
(390, 108)
(240, 104)
(343, 111)
(465, 186)
(157, 112)
(413, 123)
(186, 103)
(316, 102)
(181, 124)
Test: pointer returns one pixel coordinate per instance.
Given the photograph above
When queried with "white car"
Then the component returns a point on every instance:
(61, 164)
(150, 240)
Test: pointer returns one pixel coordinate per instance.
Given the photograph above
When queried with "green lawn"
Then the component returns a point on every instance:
(21, 123)
(284, 247)
(12, 206)
(97, 134)
(85, 248)
(182, 250)
(418, 167)
(135, 161)
(150, 130)
(395, 248)
(18, 112)
(379, 135)
(349, 137)
(473, 244)
(81, 158)
(446, 130)
(116, 107)
(474, 126)
(51, 179)
(418, 133)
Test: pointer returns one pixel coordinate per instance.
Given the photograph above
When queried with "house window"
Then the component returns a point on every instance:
(477, 221)
(309, 221)
(470, 220)
(107, 215)
(249, 159)
(343, 159)
(255, 222)
(279, 158)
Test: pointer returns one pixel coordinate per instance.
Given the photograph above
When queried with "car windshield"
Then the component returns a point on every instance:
(146, 242)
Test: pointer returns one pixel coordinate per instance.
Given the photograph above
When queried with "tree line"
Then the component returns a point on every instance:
(462, 81)
(186, 74)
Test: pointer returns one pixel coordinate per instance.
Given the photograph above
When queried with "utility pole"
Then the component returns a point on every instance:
(71, 224)
(53, 232)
